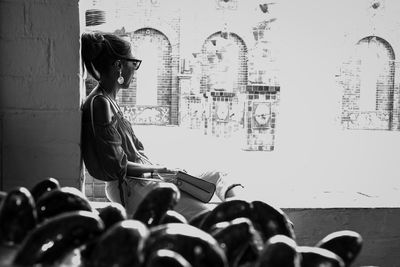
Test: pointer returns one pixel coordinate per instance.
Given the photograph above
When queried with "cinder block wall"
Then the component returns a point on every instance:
(40, 92)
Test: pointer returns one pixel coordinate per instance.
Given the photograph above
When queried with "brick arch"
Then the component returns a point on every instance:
(380, 40)
(224, 56)
(385, 35)
(164, 56)
(385, 80)
(372, 78)
(161, 27)
(160, 52)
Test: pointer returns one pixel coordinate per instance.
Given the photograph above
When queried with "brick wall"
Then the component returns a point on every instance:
(261, 110)
(192, 112)
(94, 189)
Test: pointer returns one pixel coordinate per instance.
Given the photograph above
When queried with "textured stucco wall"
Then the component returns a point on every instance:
(40, 95)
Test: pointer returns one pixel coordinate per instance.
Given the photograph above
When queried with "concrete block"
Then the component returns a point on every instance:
(65, 55)
(24, 57)
(13, 92)
(57, 92)
(99, 190)
(27, 165)
(1, 152)
(12, 19)
(89, 191)
(43, 93)
(33, 128)
(89, 179)
(53, 19)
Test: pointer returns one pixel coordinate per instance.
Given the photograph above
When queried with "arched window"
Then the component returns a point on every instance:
(225, 66)
(153, 81)
(376, 74)
(146, 93)
(368, 84)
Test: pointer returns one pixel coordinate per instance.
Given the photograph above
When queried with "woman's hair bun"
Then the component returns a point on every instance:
(99, 50)
(92, 46)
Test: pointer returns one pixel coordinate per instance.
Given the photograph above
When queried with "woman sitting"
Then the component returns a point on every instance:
(110, 148)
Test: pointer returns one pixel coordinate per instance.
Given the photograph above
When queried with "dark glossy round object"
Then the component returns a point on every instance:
(280, 251)
(121, 245)
(235, 237)
(267, 219)
(198, 247)
(346, 244)
(61, 200)
(172, 216)
(197, 220)
(167, 258)
(55, 238)
(17, 216)
(112, 214)
(7, 255)
(44, 186)
(226, 211)
(2, 196)
(156, 203)
(270, 220)
(317, 257)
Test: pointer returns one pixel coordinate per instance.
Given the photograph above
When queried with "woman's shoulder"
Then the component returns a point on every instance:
(101, 108)
(97, 100)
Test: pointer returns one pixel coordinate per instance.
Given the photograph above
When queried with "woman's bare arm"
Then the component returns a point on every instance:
(137, 169)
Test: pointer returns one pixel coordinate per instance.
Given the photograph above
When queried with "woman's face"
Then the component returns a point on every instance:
(128, 70)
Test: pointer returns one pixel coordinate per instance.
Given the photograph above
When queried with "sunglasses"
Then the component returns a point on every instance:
(136, 62)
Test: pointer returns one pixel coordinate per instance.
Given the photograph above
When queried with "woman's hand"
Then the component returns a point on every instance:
(169, 170)
(166, 170)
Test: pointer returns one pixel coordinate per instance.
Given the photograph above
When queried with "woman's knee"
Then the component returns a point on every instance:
(211, 176)
(189, 206)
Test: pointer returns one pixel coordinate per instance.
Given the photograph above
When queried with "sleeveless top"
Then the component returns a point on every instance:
(107, 148)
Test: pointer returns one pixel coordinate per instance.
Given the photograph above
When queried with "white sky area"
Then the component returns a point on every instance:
(315, 162)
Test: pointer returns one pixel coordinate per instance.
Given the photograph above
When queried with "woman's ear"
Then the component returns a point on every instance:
(118, 64)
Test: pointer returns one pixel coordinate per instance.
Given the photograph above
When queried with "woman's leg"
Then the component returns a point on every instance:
(112, 191)
(189, 206)
(135, 192)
